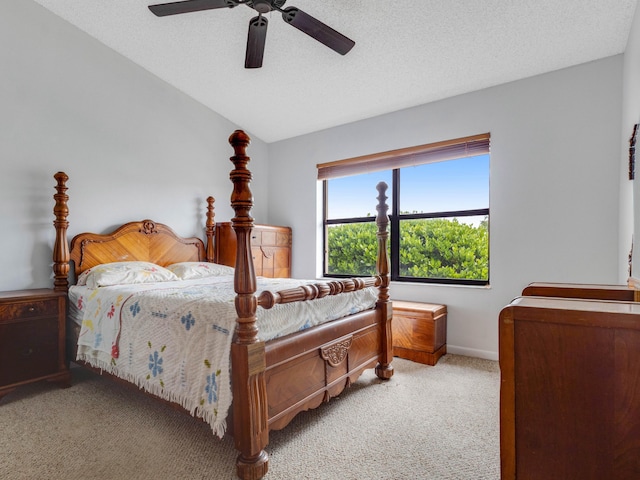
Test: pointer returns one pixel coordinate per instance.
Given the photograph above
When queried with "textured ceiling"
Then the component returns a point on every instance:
(407, 52)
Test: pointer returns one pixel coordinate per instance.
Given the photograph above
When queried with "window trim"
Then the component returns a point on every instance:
(394, 160)
(406, 157)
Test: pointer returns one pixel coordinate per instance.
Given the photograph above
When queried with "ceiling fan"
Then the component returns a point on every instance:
(258, 25)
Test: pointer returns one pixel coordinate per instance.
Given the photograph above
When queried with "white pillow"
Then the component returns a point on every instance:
(125, 273)
(189, 270)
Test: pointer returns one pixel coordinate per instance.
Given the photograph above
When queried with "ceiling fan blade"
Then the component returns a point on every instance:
(173, 8)
(318, 30)
(256, 40)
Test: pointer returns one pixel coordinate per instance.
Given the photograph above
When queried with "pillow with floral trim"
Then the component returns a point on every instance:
(190, 270)
(125, 273)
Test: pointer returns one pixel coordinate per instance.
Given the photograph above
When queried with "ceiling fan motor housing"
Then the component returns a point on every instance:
(265, 6)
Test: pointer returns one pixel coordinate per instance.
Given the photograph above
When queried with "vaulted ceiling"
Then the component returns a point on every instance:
(407, 52)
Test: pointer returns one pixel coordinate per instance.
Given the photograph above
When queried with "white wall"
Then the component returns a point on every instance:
(630, 191)
(555, 156)
(133, 147)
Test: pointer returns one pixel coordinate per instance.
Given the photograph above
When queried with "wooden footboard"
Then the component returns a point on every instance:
(274, 382)
(321, 361)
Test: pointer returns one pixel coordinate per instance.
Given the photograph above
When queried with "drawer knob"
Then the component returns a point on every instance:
(32, 309)
(27, 352)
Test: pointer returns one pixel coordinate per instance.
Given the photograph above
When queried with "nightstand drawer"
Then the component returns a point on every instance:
(29, 309)
(28, 349)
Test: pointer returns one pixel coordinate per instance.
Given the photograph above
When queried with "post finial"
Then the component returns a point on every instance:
(239, 140)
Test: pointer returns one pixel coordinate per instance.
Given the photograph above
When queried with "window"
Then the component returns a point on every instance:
(438, 211)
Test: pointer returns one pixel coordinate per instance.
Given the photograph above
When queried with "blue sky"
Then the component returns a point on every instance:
(460, 184)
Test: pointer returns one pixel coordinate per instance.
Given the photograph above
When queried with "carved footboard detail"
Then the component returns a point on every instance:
(335, 353)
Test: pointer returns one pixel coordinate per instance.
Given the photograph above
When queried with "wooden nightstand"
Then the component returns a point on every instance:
(32, 338)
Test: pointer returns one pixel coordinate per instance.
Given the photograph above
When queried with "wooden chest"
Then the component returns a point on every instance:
(270, 247)
(419, 331)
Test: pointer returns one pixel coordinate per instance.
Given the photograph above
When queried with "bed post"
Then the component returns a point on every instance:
(250, 428)
(384, 369)
(210, 230)
(60, 246)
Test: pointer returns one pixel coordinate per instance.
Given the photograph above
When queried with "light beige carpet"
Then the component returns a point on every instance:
(426, 422)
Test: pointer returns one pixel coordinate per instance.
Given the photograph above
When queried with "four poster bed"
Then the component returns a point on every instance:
(272, 372)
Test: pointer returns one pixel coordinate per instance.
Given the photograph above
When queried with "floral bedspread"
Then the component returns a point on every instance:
(173, 338)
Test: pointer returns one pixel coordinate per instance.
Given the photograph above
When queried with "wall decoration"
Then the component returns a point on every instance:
(632, 153)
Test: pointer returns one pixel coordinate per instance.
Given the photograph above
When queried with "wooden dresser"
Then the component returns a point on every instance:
(581, 290)
(570, 389)
(32, 338)
(270, 246)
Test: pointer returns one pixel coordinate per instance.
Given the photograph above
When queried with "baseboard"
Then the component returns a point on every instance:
(472, 352)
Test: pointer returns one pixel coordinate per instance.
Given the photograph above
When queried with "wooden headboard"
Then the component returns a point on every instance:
(146, 241)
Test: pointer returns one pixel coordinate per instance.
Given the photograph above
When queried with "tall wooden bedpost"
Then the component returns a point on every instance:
(60, 246)
(210, 230)
(250, 420)
(384, 369)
